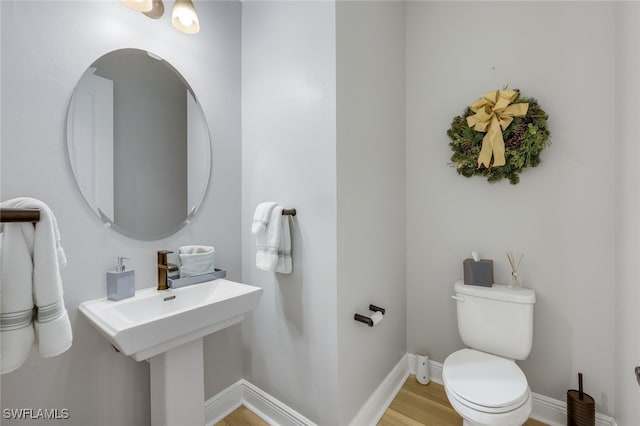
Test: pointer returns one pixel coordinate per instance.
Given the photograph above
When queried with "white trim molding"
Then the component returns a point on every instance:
(545, 409)
(277, 413)
(554, 412)
(222, 404)
(261, 403)
(373, 410)
(271, 410)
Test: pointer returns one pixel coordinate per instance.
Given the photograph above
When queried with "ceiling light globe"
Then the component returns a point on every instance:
(139, 5)
(184, 17)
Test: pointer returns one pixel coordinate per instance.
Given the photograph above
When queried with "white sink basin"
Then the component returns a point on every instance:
(153, 321)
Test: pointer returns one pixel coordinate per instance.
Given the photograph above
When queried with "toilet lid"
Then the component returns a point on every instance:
(485, 380)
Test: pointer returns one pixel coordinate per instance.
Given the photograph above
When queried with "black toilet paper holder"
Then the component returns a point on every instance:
(368, 320)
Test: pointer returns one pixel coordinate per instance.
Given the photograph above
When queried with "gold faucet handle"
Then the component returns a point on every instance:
(162, 257)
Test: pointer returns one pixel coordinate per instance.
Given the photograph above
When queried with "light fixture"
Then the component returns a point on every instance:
(156, 11)
(139, 5)
(184, 17)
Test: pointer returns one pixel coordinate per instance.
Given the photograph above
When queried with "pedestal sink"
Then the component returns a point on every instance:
(166, 328)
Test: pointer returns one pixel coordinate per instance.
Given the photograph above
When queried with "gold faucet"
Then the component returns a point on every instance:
(163, 269)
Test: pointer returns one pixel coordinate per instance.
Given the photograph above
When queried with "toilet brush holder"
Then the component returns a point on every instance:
(581, 408)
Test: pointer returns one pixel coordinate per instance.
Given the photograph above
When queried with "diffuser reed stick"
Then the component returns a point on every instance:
(515, 280)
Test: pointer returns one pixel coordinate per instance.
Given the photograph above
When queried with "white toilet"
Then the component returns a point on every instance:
(483, 383)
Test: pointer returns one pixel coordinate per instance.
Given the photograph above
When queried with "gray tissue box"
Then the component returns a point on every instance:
(478, 273)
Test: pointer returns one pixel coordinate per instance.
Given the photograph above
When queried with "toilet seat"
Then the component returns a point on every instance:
(485, 382)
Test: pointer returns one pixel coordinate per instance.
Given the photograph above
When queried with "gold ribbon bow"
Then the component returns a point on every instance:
(493, 114)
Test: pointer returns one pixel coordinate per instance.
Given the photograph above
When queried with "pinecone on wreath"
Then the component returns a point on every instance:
(514, 141)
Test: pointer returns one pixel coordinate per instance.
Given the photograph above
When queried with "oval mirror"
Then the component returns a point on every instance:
(138, 144)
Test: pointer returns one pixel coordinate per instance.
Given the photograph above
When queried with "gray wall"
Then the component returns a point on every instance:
(627, 204)
(289, 156)
(44, 54)
(371, 195)
(561, 215)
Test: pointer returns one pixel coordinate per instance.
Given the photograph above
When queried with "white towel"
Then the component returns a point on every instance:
(196, 260)
(285, 263)
(261, 217)
(31, 304)
(273, 244)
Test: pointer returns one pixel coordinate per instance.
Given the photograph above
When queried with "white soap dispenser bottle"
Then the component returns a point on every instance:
(121, 284)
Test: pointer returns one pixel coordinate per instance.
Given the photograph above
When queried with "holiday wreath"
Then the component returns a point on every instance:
(498, 136)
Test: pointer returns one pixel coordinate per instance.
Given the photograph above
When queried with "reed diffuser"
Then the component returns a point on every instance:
(516, 281)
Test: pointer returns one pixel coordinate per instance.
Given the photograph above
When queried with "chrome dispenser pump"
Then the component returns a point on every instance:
(120, 263)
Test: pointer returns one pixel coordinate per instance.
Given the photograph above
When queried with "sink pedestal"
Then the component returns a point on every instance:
(177, 386)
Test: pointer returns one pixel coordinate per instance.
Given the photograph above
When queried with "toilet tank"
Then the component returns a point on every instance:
(496, 320)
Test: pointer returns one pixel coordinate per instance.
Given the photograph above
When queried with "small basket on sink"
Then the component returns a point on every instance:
(181, 282)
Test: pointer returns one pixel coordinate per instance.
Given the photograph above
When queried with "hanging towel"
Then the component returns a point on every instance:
(285, 264)
(196, 260)
(261, 217)
(273, 243)
(31, 304)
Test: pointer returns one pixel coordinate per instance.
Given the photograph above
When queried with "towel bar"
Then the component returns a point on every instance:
(288, 212)
(19, 215)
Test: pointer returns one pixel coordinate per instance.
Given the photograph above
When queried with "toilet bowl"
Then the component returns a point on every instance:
(486, 390)
(483, 382)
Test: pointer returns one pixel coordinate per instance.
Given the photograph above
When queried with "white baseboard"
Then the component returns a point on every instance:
(261, 403)
(373, 410)
(220, 405)
(545, 409)
(554, 412)
(274, 412)
(277, 413)
(270, 409)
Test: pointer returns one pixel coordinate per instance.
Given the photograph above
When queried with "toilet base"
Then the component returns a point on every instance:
(465, 422)
(515, 417)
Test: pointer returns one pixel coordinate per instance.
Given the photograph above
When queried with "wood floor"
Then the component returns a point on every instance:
(415, 405)
(420, 405)
(242, 417)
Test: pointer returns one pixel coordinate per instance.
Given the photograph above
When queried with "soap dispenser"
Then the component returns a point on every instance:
(120, 283)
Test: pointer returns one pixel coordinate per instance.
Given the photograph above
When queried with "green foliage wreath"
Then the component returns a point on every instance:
(524, 139)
